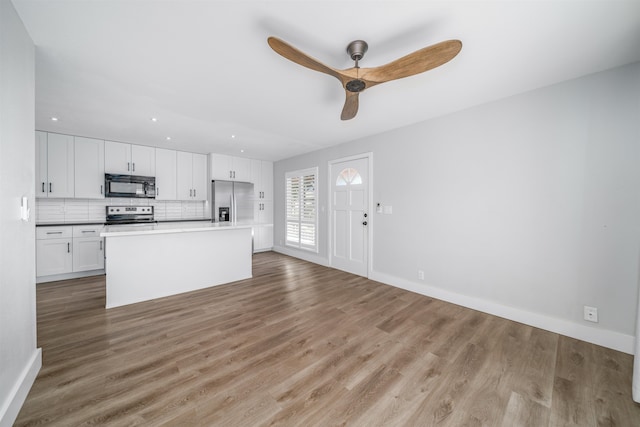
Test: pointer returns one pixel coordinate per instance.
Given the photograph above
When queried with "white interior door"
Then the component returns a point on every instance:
(349, 215)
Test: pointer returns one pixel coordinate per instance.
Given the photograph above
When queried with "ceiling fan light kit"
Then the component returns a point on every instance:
(355, 80)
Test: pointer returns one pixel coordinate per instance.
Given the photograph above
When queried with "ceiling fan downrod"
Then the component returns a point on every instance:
(356, 50)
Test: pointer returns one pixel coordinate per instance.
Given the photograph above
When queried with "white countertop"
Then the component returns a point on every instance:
(166, 228)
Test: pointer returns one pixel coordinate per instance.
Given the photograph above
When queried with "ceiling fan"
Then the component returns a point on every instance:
(356, 79)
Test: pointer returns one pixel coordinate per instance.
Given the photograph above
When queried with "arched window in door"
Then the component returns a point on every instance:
(349, 176)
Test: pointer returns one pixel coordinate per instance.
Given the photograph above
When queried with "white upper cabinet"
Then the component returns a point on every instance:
(230, 168)
(129, 159)
(54, 165)
(166, 174)
(191, 176)
(200, 182)
(41, 165)
(89, 168)
(262, 178)
(143, 160)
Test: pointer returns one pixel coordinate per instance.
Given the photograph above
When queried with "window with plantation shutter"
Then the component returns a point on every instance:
(301, 202)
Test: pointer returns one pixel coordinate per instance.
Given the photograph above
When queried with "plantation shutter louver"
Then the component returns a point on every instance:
(301, 200)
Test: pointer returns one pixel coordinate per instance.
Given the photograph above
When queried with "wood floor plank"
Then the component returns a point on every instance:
(304, 345)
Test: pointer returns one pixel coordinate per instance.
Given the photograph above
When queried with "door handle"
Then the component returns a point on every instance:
(365, 215)
(364, 222)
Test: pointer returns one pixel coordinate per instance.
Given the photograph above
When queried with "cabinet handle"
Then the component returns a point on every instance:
(88, 231)
(194, 192)
(157, 191)
(234, 174)
(101, 189)
(128, 166)
(49, 187)
(68, 247)
(54, 232)
(43, 187)
(230, 174)
(100, 244)
(134, 167)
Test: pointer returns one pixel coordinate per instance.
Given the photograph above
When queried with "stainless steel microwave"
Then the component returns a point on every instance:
(130, 186)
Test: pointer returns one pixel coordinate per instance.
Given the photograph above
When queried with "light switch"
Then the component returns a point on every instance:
(24, 209)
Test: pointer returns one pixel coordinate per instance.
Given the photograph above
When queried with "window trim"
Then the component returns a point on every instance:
(301, 173)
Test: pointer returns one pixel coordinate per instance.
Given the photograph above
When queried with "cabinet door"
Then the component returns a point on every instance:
(266, 180)
(166, 174)
(143, 160)
(117, 158)
(42, 183)
(256, 176)
(53, 256)
(221, 167)
(199, 176)
(89, 168)
(262, 238)
(88, 254)
(241, 169)
(184, 176)
(60, 171)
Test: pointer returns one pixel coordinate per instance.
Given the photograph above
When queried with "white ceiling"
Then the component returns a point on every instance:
(204, 69)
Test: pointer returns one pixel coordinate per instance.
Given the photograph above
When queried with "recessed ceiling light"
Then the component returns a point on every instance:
(242, 151)
(54, 119)
(233, 137)
(168, 138)
(154, 119)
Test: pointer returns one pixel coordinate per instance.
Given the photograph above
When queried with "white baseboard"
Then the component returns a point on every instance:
(15, 400)
(304, 255)
(606, 338)
(65, 276)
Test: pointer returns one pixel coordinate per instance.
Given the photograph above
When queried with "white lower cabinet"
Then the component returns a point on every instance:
(88, 248)
(262, 237)
(68, 249)
(53, 250)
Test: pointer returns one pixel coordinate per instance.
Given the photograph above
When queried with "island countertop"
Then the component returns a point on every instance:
(167, 228)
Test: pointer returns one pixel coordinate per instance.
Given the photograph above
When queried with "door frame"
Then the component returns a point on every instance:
(370, 222)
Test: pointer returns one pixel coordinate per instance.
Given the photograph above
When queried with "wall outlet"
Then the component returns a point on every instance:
(591, 314)
(420, 275)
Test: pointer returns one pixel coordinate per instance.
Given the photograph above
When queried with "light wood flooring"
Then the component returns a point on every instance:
(304, 345)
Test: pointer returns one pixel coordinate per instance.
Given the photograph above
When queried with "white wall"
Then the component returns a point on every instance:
(20, 360)
(528, 208)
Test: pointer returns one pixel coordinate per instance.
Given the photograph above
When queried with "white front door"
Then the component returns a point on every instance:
(349, 186)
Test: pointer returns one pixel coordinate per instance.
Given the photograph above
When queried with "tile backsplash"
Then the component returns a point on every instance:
(70, 210)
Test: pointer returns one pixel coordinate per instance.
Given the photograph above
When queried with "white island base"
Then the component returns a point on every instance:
(157, 261)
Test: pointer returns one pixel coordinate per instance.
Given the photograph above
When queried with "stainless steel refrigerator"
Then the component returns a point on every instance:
(231, 201)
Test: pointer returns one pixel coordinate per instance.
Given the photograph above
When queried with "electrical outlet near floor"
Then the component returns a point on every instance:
(590, 314)
(420, 275)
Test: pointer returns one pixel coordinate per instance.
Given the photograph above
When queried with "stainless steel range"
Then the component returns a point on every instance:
(130, 215)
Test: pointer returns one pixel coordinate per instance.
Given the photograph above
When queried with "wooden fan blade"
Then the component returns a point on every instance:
(301, 58)
(415, 63)
(350, 108)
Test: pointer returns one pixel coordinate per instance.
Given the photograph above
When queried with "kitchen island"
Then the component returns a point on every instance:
(145, 262)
